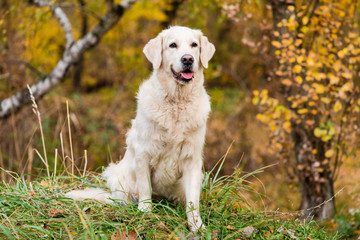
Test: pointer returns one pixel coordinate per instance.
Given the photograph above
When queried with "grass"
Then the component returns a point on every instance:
(39, 210)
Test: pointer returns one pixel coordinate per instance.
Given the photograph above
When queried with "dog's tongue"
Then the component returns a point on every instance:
(187, 75)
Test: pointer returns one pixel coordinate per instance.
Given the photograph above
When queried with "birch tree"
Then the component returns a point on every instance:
(74, 50)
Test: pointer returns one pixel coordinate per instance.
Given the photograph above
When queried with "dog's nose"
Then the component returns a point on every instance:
(187, 59)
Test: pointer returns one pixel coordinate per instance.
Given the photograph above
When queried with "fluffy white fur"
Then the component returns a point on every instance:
(165, 143)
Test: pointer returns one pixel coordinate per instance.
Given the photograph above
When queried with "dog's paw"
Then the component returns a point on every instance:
(145, 206)
(196, 225)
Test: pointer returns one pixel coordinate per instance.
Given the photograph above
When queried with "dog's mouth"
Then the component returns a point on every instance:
(183, 76)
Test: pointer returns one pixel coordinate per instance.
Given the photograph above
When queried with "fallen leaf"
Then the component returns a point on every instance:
(45, 184)
(288, 232)
(55, 213)
(267, 234)
(248, 231)
(230, 227)
(124, 236)
(86, 209)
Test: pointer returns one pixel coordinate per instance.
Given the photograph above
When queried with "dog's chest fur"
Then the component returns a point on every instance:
(175, 130)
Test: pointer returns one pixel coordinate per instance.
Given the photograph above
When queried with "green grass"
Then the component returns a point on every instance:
(39, 210)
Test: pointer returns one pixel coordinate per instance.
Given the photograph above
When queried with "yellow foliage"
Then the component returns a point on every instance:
(276, 44)
(329, 153)
(319, 88)
(286, 82)
(297, 69)
(337, 106)
(298, 79)
(302, 111)
(305, 20)
(287, 126)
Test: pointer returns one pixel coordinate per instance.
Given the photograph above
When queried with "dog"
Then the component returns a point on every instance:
(163, 157)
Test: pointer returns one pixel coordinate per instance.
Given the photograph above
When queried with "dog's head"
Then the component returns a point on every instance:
(180, 52)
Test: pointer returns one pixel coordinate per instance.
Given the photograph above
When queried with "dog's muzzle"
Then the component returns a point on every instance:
(187, 74)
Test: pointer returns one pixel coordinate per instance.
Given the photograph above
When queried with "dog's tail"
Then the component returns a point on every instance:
(90, 193)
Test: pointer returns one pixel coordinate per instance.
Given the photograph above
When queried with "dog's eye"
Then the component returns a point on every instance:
(194, 44)
(173, 45)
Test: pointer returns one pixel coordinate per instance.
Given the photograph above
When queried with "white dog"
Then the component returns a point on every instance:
(165, 143)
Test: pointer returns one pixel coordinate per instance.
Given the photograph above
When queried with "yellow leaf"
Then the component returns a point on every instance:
(347, 75)
(286, 82)
(298, 79)
(309, 122)
(291, 8)
(287, 126)
(341, 54)
(297, 69)
(329, 153)
(314, 151)
(298, 42)
(273, 128)
(319, 88)
(334, 79)
(347, 87)
(302, 111)
(325, 100)
(337, 106)
(305, 20)
(314, 111)
(300, 59)
(318, 132)
(311, 103)
(276, 44)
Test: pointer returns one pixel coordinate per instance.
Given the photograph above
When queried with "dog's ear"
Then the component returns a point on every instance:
(153, 51)
(207, 50)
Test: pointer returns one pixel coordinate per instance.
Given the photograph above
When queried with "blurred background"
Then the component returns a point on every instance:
(100, 89)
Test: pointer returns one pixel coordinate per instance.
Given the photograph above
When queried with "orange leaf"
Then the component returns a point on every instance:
(45, 184)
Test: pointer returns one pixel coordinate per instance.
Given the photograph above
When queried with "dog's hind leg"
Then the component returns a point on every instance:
(121, 180)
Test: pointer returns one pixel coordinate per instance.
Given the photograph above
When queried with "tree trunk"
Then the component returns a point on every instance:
(315, 176)
(79, 66)
(314, 173)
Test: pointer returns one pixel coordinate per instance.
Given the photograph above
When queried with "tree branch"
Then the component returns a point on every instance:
(69, 58)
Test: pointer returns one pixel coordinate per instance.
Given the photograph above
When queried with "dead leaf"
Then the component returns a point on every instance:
(248, 231)
(86, 209)
(230, 227)
(288, 232)
(124, 236)
(45, 184)
(55, 213)
(267, 234)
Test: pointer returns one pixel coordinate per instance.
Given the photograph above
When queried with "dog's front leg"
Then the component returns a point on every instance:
(143, 182)
(192, 178)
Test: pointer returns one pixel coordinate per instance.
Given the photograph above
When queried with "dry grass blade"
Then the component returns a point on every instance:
(38, 115)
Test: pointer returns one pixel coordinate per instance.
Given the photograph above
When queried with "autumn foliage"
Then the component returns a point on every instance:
(315, 115)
